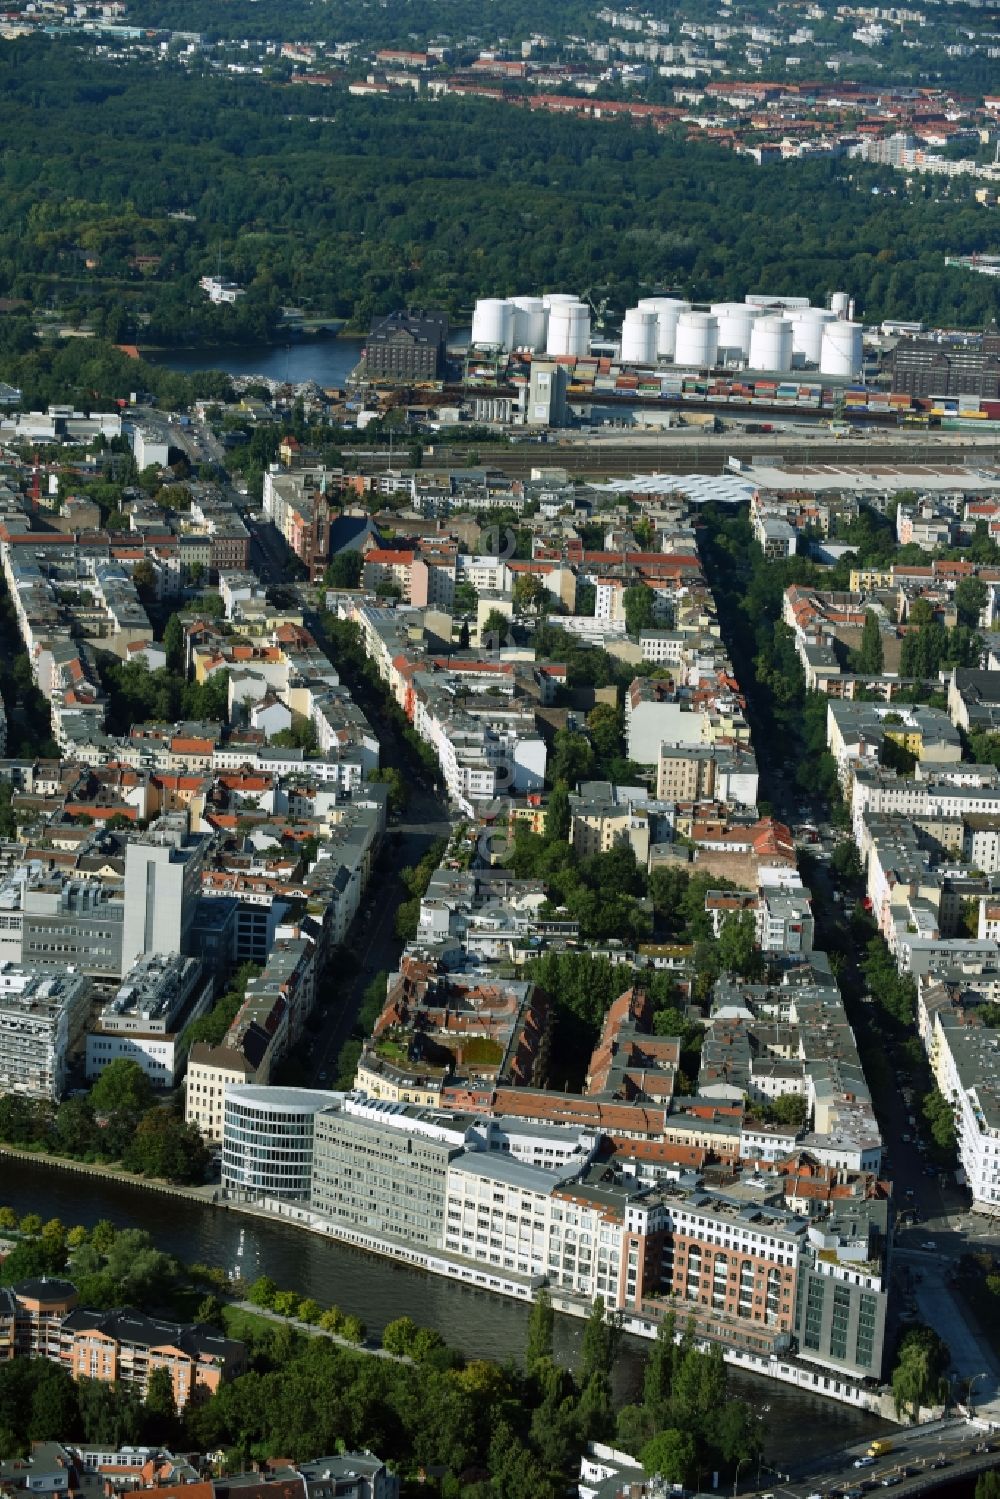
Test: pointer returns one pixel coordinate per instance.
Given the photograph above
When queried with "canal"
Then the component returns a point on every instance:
(377, 1290)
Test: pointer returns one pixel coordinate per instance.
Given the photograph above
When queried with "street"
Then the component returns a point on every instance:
(916, 1460)
(372, 941)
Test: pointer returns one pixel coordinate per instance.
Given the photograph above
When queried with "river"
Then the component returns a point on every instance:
(377, 1290)
(327, 361)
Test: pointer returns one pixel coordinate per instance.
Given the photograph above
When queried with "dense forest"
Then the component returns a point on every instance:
(390, 201)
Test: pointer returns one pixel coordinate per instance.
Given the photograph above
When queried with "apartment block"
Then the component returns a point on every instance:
(42, 1319)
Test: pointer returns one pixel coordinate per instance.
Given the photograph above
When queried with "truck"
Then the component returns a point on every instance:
(880, 1448)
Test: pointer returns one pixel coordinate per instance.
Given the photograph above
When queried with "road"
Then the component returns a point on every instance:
(908, 1466)
(372, 940)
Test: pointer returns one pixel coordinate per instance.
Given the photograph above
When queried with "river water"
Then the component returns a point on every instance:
(327, 361)
(377, 1290)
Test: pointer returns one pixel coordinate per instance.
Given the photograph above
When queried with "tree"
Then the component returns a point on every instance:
(173, 643)
(353, 1330)
(870, 654)
(398, 1336)
(941, 1118)
(658, 1375)
(541, 1325)
(529, 592)
(789, 1108)
(919, 1376)
(344, 571)
(572, 758)
(846, 861)
(54, 1406)
(495, 632)
(557, 814)
(737, 947)
(601, 1337)
(123, 1087)
(286, 1303)
(144, 578)
(970, 601)
(263, 1292)
(988, 1485)
(671, 1453)
(159, 1405)
(103, 1235)
(640, 605)
(605, 726)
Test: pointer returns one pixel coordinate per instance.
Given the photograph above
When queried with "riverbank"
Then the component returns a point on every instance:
(108, 1172)
(378, 1290)
(826, 1384)
(813, 1380)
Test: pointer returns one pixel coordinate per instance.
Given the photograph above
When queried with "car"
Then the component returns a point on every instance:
(890, 1480)
(864, 1462)
(984, 1447)
(941, 1462)
(929, 1244)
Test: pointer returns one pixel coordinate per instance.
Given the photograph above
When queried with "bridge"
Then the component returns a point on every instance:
(922, 1458)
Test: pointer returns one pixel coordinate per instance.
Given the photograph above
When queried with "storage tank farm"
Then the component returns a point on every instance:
(764, 335)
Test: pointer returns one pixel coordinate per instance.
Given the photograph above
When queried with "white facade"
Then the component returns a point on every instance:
(513, 1215)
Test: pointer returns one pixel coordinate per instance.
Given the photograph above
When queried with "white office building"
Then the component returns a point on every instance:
(42, 1017)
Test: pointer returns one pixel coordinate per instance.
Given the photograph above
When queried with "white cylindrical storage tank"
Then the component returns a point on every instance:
(553, 298)
(493, 324)
(531, 322)
(840, 304)
(668, 310)
(569, 330)
(771, 344)
(697, 341)
(736, 321)
(842, 353)
(807, 332)
(640, 332)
